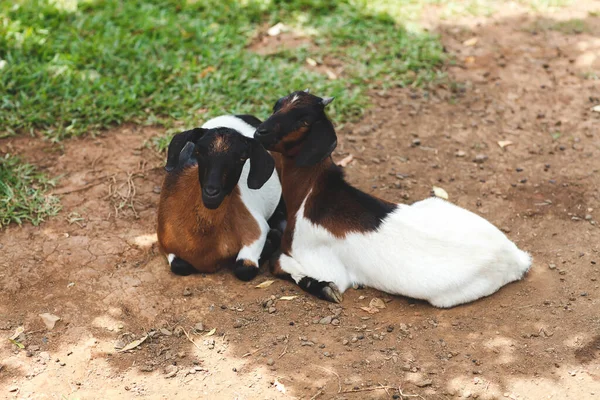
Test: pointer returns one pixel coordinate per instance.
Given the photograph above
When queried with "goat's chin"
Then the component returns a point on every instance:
(212, 204)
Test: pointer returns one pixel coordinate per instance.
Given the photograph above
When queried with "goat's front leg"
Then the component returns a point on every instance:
(247, 262)
(322, 289)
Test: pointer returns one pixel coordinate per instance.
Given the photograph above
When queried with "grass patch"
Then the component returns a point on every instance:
(23, 193)
(567, 27)
(86, 66)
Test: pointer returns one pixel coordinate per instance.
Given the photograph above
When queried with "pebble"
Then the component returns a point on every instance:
(552, 266)
(327, 354)
(270, 362)
(187, 292)
(165, 332)
(354, 339)
(588, 217)
(345, 342)
(170, 371)
(237, 324)
(178, 331)
(156, 189)
(272, 310)
(335, 322)
(480, 158)
(199, 327)
(390, 328)
(13, 388)
(460, 153)
(416, 142)
(424, 383)
(326, 320)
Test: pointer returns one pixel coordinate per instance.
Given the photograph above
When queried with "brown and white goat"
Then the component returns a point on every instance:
(338, 236)
(219, 193)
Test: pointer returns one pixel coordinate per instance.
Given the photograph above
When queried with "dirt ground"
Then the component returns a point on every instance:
(96, 265)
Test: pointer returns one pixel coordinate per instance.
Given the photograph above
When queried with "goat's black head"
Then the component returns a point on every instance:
(221, 154)
(299, 129)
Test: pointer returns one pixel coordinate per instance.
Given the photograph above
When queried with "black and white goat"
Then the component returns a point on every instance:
(338, 236)
(219, 193)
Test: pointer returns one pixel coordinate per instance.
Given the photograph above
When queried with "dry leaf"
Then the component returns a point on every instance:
(471, 42)
(49, 320)
(330, 74)
(18, 344)
(346, 160)
(370, 310)
(377, 303)
(439, 192)
(133, 344)
(311, 62)
(287, 297)
(212, 332)
(279, 386)
(596, 108)
(504, 143)
(264, 284)
(277, 29)
(18, 331)
(207, 71)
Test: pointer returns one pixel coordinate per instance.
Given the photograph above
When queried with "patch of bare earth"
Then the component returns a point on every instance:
(97, 268)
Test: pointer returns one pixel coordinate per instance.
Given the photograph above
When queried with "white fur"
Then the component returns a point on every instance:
(432, 250)
(170, 257)
(261, 203)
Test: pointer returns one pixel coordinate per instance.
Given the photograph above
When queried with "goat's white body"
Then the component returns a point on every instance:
(431, 250)
(261, 203)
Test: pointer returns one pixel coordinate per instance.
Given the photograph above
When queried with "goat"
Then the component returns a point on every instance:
(219, 193)
(337, 236)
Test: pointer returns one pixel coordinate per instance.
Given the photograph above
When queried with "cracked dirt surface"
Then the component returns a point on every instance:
(96, 265)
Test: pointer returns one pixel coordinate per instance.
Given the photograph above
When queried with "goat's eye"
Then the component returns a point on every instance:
(305, 123)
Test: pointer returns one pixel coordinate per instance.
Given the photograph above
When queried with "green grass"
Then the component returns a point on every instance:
(156, 62)
(23, 193)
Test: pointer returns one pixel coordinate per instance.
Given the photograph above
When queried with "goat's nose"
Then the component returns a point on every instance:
(262, 131)
(211, 190)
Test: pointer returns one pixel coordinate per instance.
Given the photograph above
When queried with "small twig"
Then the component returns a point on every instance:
(316, 395)
(284, 351)
(190, 339)
(252, 352)
(384, 388)
(335, 373)
(369, 389)
(408, 395)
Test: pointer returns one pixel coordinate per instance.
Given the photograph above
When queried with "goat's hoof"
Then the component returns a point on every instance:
(358, 286)
(331, 293)
(245, 270)
(323, 290)
(182, 267)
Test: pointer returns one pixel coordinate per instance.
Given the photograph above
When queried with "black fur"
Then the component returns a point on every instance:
(245, 273)
(338, 200)
(182, 267)
(250, 119)
(315, 287)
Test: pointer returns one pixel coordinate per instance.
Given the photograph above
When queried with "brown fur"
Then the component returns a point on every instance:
(220, 145)
(343, 213)
(207, 239)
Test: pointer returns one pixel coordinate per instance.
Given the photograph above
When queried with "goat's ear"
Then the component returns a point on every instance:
(319, 144)
(261, 165)
(178, 143)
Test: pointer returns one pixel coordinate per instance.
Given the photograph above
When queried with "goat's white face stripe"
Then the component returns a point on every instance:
(294, 99)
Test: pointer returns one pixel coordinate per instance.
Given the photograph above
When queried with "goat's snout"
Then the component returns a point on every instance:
(261, 131)
(212, 191)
